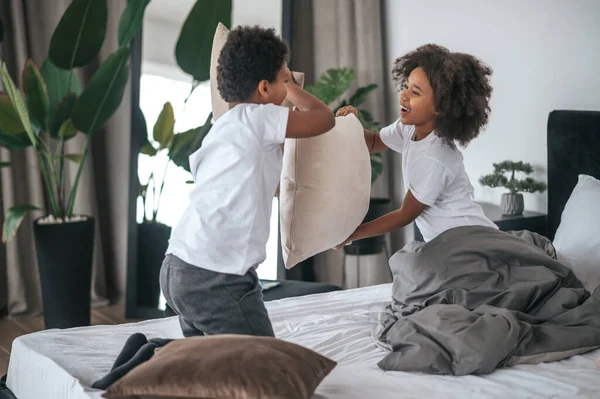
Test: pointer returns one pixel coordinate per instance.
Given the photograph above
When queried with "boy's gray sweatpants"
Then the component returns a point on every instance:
(210, 303)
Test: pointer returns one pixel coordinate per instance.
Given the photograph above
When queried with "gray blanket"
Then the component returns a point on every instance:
(474, 299)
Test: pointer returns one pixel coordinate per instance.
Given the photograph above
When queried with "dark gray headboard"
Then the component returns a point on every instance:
(573, 149)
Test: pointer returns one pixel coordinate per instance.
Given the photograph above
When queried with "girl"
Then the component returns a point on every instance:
(444, 100)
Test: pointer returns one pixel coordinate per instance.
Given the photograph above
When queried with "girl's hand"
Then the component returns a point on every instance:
(348, 241)
(347, 110)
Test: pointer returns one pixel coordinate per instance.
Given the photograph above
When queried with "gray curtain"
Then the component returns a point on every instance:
(350, 33)
(28, 28)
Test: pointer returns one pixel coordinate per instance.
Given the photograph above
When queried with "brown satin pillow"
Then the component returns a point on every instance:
(226, 366)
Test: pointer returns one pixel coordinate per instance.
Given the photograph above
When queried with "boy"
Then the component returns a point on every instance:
(208, 276)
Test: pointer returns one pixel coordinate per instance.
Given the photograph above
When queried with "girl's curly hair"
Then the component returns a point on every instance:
(461, 89)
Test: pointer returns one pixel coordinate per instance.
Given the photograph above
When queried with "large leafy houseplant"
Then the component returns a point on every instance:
(176, 146)
(192, 53)
(51, 106)
(331, 86)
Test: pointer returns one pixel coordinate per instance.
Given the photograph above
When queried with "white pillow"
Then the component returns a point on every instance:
(325, 190)
(577, 239)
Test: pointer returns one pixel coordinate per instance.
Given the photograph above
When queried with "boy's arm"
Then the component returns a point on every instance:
(372, 139)
(411, 209)
(314, 118)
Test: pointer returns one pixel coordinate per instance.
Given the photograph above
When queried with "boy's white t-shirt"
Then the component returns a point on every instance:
(435, 174)
(236, 172)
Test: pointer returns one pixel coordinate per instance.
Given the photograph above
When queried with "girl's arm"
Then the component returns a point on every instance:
(373, 141)
(411, 209)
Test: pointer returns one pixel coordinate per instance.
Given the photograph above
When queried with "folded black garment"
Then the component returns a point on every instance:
(5, 393)
(137, 350)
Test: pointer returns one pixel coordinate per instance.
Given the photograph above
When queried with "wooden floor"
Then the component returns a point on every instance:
(15, 327)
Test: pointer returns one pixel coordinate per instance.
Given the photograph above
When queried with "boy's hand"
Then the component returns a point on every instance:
(347, 110)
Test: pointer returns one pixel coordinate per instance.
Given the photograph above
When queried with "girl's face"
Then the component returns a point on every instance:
(416, 101)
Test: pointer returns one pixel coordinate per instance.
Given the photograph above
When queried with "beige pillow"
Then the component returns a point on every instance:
(226, 366)
(220, 106)
(325, 190)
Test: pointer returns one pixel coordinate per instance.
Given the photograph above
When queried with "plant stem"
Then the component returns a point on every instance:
(144, 220)
(151, 179)
(49, 187)
(52, 177)
(61, 177)
(86, 149)
(62, 188)
(162, 185)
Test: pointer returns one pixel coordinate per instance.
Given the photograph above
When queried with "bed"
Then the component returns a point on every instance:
(64, 363)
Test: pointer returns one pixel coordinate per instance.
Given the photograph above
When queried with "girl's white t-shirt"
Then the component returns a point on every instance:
(435, 174)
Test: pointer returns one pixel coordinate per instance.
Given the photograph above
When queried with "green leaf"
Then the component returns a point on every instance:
(163, 128)
(60, 83)
(10, 121)
(63, 113)
(142, 190)
(367, 121)
(189, 182)
(131, 20)
(36, 94)
(332, 84)
(148, 149)
(67, 130)
(80, 34)
(141, 123)
(77, 158)
(4, 164)
(361, 95)
(14, 141)
(376, 166)
(103, 95)
(17, 100)
(13, 219)
(194, 46)
(186, 143)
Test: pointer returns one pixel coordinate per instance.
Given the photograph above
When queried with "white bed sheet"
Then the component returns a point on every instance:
(64, 363)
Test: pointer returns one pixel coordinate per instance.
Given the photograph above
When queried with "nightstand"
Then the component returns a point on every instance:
(532, 221)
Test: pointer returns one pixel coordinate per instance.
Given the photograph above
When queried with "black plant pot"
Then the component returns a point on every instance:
(65, 255)
(370, 246)
(153, 241)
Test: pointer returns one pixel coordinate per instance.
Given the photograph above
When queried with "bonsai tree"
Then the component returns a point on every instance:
(331, 86)
(51, 107)
(499, 178)
(177, 146)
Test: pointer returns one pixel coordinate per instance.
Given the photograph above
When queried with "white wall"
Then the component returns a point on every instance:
(545, 55)
(266, 13)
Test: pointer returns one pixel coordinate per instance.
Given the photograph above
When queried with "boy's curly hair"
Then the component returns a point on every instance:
(250, 54)
(461, 89)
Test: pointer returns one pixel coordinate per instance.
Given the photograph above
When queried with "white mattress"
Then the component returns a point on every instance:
(64, 363)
